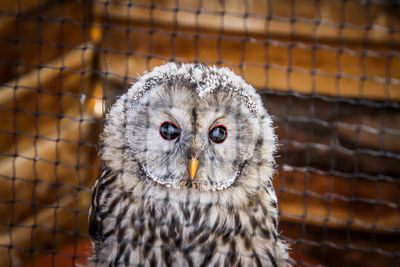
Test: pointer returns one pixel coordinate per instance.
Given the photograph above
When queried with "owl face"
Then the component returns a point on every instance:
(171, 129)
(195, 130)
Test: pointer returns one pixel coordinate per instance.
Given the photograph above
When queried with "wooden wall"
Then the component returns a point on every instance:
(48, 130)
(338, 177)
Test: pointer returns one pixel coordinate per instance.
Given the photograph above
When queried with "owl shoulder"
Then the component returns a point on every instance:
(100, 189)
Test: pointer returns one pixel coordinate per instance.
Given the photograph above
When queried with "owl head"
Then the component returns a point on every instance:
(190, 127)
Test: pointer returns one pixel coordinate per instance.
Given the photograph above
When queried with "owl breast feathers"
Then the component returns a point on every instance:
(188, 161)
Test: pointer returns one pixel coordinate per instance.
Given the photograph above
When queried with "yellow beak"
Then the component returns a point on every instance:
(193, 167)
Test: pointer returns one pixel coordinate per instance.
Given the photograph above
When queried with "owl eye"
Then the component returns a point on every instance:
(218, 134)
(169, 131)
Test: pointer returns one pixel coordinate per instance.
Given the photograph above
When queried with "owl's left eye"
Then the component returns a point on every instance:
(218, 134)
(169, 130)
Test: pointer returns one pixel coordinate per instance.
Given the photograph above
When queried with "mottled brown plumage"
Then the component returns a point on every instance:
(151, 207)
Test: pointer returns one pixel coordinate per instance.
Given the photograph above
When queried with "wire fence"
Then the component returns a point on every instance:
(328, 73)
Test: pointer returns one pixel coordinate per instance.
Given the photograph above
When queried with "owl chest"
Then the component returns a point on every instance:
(177, 234)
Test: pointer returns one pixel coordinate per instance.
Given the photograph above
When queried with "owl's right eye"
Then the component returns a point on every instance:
(169, 130)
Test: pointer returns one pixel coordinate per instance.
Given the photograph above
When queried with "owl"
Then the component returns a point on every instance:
(188, 157)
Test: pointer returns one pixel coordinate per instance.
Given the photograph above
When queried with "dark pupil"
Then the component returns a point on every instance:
(169, 131)
(217, 134)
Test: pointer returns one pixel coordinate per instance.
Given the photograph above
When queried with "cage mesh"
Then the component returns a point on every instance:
(328, 72)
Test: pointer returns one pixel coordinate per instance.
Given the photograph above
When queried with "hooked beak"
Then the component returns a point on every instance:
(193, 167)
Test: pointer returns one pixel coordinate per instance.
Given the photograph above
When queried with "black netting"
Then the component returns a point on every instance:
(328, 72)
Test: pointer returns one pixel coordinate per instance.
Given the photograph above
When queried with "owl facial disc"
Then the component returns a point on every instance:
(180, 110)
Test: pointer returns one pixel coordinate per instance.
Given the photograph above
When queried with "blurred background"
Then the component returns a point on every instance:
(328, 72)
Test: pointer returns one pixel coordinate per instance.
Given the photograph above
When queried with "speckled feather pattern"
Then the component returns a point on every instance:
(146, 212)
(205, 80)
